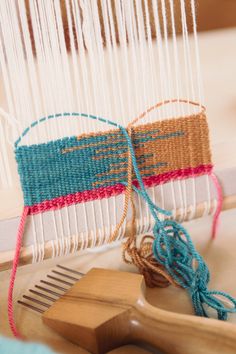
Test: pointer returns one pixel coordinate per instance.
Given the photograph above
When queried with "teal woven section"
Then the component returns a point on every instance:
(46, 172)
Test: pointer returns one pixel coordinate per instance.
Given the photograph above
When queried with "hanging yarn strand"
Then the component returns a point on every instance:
(215, 223)
(153, 272)
(15, 264)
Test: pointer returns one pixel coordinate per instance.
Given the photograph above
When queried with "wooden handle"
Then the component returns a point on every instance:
(181, 334)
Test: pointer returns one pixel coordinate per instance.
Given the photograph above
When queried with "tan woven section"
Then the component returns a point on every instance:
(189, 150)
(172, 145)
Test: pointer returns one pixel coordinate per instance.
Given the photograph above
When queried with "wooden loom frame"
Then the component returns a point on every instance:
(229, 202)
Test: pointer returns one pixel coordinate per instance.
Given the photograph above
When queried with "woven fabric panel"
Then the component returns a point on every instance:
(93, 166)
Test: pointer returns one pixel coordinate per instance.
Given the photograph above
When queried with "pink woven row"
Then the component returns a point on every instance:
(106, 192)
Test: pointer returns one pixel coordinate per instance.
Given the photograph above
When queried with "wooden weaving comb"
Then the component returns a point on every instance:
(107, 308)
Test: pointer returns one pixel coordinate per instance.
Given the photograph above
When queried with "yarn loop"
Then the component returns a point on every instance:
(173, 248)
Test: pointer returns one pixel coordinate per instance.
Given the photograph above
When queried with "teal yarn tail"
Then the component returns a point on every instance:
(174, 249)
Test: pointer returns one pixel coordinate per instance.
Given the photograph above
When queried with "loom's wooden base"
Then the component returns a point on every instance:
(26, 252)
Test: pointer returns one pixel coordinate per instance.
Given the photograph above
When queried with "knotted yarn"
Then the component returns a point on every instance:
(175, 251)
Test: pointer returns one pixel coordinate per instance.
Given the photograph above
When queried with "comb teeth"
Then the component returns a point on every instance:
(70, 270)
(59, 280)
(30, 306)
(58, 287)
(49, 289)
(49, 298)
(36, 301)
(65, 275)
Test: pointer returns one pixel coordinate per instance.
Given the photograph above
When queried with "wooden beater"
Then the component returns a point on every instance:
(107, 308)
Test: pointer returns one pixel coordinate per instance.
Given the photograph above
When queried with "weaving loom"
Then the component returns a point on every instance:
(77, 75)
(159, 69)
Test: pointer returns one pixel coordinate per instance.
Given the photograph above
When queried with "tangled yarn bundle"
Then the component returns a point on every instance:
(175, 252)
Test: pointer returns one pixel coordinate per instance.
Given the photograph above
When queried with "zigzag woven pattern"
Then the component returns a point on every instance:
(94, 166)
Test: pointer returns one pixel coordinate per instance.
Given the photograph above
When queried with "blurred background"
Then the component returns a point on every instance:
(214, 14)
(211, 14)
